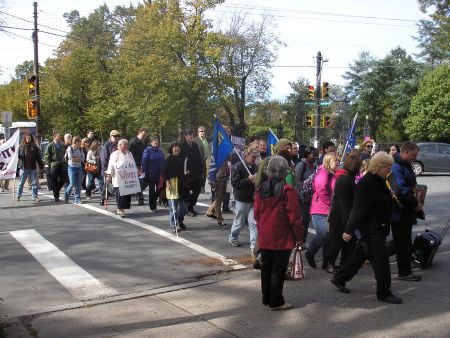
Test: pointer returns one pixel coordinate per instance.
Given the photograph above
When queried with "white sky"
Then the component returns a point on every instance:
(330, 26)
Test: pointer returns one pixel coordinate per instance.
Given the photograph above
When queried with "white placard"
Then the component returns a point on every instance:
(9, 153)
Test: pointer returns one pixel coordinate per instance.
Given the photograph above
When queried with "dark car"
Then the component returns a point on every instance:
(433, 157)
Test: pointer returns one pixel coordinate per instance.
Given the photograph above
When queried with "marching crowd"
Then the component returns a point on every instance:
(354, 201)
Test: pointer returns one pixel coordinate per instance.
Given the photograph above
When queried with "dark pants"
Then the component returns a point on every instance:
(153, 194)
(306, 218)
(58, 177)
(144, 184)
(337, 244)
(226, 202)
(401, 234)
(374, 249)
(123, 202)
(194, 187)
(274, 266)
(49, 178)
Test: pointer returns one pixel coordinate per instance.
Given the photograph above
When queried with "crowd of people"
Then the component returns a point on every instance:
(353, 200)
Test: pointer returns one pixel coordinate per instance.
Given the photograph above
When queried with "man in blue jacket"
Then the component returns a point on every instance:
(406, 211)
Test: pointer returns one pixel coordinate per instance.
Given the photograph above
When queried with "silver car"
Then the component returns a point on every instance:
(433, 157)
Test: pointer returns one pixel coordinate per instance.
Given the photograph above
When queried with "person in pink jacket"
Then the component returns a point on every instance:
(323, 186)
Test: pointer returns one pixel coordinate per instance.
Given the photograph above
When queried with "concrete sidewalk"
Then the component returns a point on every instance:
(229, 305)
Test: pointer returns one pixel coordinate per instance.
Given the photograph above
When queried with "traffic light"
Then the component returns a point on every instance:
(325, 88)
(32, 85)
(311, 92)
(325, 121)
(32, 109)
(310, 120)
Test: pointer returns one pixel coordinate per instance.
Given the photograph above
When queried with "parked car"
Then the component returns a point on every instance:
(433, 157)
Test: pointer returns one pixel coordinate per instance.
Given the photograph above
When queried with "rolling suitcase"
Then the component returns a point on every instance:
(426, 244)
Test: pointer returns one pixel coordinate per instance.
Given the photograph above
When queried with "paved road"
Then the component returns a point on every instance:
(62, 256)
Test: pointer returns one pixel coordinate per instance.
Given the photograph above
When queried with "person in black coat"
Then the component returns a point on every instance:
(371, 212)
(344, 191)
(195, 163)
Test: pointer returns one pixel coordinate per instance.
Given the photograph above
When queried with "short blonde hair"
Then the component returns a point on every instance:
(379, 161)
(328, 159)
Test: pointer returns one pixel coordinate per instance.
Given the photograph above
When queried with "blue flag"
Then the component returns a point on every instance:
(221, 148)
(272, 139)
(350, 142)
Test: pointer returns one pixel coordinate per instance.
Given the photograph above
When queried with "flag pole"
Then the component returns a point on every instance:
(234, 149)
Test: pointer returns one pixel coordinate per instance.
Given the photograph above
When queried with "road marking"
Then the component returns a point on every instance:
(80, 283)
(226, 261)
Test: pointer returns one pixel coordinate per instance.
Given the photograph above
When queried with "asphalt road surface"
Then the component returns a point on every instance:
(56, 256)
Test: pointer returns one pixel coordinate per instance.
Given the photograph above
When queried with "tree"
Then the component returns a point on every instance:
(241, 76)
(383, 89)
(434, 34)
(430, 108)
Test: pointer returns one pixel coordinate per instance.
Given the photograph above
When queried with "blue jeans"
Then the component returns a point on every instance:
(177, 210)
(75, 179)
(321, 225)
(244, 211)
(24, 173)
(91, 184)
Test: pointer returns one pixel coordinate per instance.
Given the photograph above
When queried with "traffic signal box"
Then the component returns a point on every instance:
(32, 109)
(325, 88)
(311, 92)
(310, 120)
(325, 121)
(32, 85)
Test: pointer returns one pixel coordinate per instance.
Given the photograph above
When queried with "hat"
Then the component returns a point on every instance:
(281, 144)
(251, 151)
(114, 133)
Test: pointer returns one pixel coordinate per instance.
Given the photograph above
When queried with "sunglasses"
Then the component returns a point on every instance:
(369, 146)
(116, 136)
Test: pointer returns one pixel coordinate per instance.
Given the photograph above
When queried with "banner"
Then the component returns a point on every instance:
(126, 172)
(272, 139)
(9, 154)
(221, 148)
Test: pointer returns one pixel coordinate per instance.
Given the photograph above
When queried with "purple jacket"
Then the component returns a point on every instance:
(323, 186)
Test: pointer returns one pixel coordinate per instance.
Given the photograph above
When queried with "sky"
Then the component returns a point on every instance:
(339, 29)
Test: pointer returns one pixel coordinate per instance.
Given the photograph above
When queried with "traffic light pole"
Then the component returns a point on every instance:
(318, 96)
(36, 73)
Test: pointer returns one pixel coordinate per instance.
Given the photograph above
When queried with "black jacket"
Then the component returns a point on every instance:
(243, 188)
(107, 149)
(372, 207)
(195, 162)
(36, 156)
(137, 148)
(343, 195)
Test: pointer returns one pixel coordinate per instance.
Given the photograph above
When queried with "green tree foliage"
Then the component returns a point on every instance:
(430, 108)
(383, 89)
(434, 34)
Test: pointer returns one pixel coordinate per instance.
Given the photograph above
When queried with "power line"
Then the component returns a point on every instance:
(290, 10)
(26, 20)
(20, 28)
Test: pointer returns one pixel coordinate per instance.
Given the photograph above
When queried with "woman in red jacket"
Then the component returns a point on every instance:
(279, 230)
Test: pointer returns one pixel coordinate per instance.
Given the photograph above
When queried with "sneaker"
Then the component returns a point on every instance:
(153, 211)
(310, 259)
(234, 242)
(390, 299)
(121, 213)
(410, 277)
(182, 226)
(77, 202)
(332, 269)
(88, 198)
(285, 306)
(18, 199)
(222, 224)
(35, 200)
(340, 286)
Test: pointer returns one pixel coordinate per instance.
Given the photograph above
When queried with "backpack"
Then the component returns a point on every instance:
(307, 189)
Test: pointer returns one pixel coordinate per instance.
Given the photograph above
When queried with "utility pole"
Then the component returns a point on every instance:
(36, 73)
(318, 96)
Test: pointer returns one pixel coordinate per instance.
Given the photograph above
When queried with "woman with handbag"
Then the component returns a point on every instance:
(280, 229)
(92, 168)
(75, 158)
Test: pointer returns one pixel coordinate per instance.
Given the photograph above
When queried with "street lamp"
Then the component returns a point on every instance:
(367, 130)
